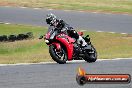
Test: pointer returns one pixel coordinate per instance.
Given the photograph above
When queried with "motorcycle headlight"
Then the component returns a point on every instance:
(46, 41)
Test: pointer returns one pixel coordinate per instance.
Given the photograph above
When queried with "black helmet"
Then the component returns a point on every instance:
(51, 19)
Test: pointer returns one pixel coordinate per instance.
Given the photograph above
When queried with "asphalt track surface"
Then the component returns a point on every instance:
(63, 76)
(79, 20)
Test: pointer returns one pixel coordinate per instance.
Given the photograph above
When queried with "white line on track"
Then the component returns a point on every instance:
(99, 31)
(94, 12)
(123, 33)
(23, 7)
(18, 64)
(68, 10)
(49, 9)
(7, 23)
(81, 30)
(112, 32)
(74, 61)
(37, 8)
(81, 11)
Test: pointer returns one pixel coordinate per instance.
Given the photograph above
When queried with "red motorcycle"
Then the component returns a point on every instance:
(63, 48)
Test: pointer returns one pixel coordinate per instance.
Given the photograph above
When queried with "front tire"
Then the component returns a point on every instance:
(58, 56)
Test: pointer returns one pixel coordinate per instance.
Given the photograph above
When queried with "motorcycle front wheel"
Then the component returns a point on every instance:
(59, 56)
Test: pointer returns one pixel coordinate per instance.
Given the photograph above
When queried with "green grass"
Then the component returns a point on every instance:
(117, 6)
(27, 51)
(108, 45)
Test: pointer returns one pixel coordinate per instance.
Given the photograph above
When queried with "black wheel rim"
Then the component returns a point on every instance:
(60, 54)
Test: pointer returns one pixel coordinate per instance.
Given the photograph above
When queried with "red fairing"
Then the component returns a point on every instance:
(71, 40)
(68, 42)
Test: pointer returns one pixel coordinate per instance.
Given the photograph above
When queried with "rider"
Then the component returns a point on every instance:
(62, 26)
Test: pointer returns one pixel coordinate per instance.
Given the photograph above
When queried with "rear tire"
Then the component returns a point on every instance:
(58, 56)
(92, 56)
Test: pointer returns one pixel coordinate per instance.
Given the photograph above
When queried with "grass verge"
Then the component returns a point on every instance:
(108, 45)
(116, 6)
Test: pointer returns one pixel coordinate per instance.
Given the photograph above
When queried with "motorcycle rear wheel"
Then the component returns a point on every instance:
(92, 56)
(58, 56)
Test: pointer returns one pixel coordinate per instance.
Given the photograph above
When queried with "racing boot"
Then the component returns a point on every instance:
(84, 45)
